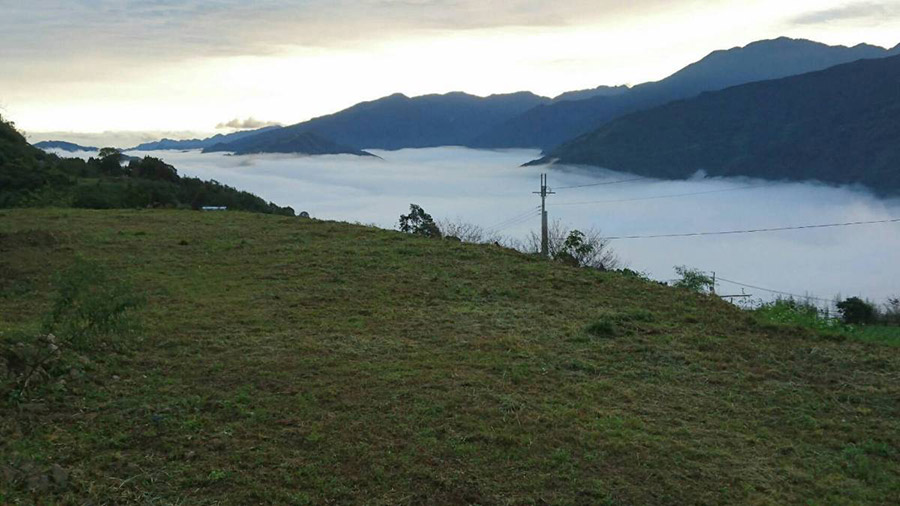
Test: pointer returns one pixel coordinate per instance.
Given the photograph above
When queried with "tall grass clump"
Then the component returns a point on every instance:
(90, 313)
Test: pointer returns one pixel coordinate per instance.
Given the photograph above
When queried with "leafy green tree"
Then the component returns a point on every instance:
(855, 311)
(153, 168)
(111, 162)
(694, 280)
(575, 249)
(418, 222)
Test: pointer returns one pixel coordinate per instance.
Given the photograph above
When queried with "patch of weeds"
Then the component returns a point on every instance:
(27, 239)
(14, 283)
(561, 457)
(862, 464)
(217, 475)
(89, 313)
(797, 314)
(635, 315)
(603, 328)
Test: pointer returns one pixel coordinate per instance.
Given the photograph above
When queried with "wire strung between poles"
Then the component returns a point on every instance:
(754, 231)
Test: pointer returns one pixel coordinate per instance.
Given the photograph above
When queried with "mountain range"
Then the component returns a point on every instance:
(398, 121)
(563, 126)
(526, 120)
(550, 125)
(286, 140)
(63, 146)
(177, 145)
(839, 125)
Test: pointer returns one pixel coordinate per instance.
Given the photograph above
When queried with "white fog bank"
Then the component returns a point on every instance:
(490, 187)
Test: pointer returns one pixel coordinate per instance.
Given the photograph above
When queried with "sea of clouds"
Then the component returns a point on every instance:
(490, 187)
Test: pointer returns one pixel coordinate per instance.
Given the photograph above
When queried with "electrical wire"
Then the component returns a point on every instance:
(605, 183)
(754, 231)
(514, 220)
(777, 292)
(519, 221)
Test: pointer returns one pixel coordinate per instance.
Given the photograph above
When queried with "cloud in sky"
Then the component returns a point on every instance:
(235, 27)
(246, 124)
(877, 12)
(96, 65)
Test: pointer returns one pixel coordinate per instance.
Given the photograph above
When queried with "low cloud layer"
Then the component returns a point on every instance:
(489, 187)
(246, 124)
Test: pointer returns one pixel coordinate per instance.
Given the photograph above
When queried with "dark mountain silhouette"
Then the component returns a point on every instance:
(63, 146)
(600, 91)
(397, 121)
(175, 145)
(286, 140)
(838, 125)
(549, 125)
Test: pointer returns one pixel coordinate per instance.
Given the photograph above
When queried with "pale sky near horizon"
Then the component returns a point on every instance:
(193, 66)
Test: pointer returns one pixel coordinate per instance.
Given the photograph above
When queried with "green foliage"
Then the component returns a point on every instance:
(694, 280)
(575, 249)
(891, 314)
(797, 313)
(89, 312)
(31, 178)
(793, 313)
(602, 328)
(418, 222)
(88, 306)
(153, 168)
(856, 311)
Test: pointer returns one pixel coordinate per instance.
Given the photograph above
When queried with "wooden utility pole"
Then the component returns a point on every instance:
(545, 234)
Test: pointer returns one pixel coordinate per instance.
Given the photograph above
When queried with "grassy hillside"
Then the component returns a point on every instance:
(294, 361)
(29, 177)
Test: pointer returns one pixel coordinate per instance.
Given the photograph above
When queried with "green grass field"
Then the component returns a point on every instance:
(302, 362)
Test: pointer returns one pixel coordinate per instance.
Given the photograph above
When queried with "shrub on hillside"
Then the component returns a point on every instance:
(90, 313)
(891, 314)
(418, 222)
(855, 311)
(467, 232)
(574, 247)
(694, 280)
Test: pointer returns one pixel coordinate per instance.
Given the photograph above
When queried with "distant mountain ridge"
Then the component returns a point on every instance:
(397, 121)
(177, 145)
(549, 125)
(526, 120)
(63, 146)
(839, 125)
(600, 91)
(285, 140)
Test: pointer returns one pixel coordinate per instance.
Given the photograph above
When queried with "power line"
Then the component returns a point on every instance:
(605, 183)
(521, 220)
(665, 196)
(778, 292)
(514, 220)
(754, 231)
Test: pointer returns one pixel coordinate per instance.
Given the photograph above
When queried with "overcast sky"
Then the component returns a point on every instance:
(169, 65)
